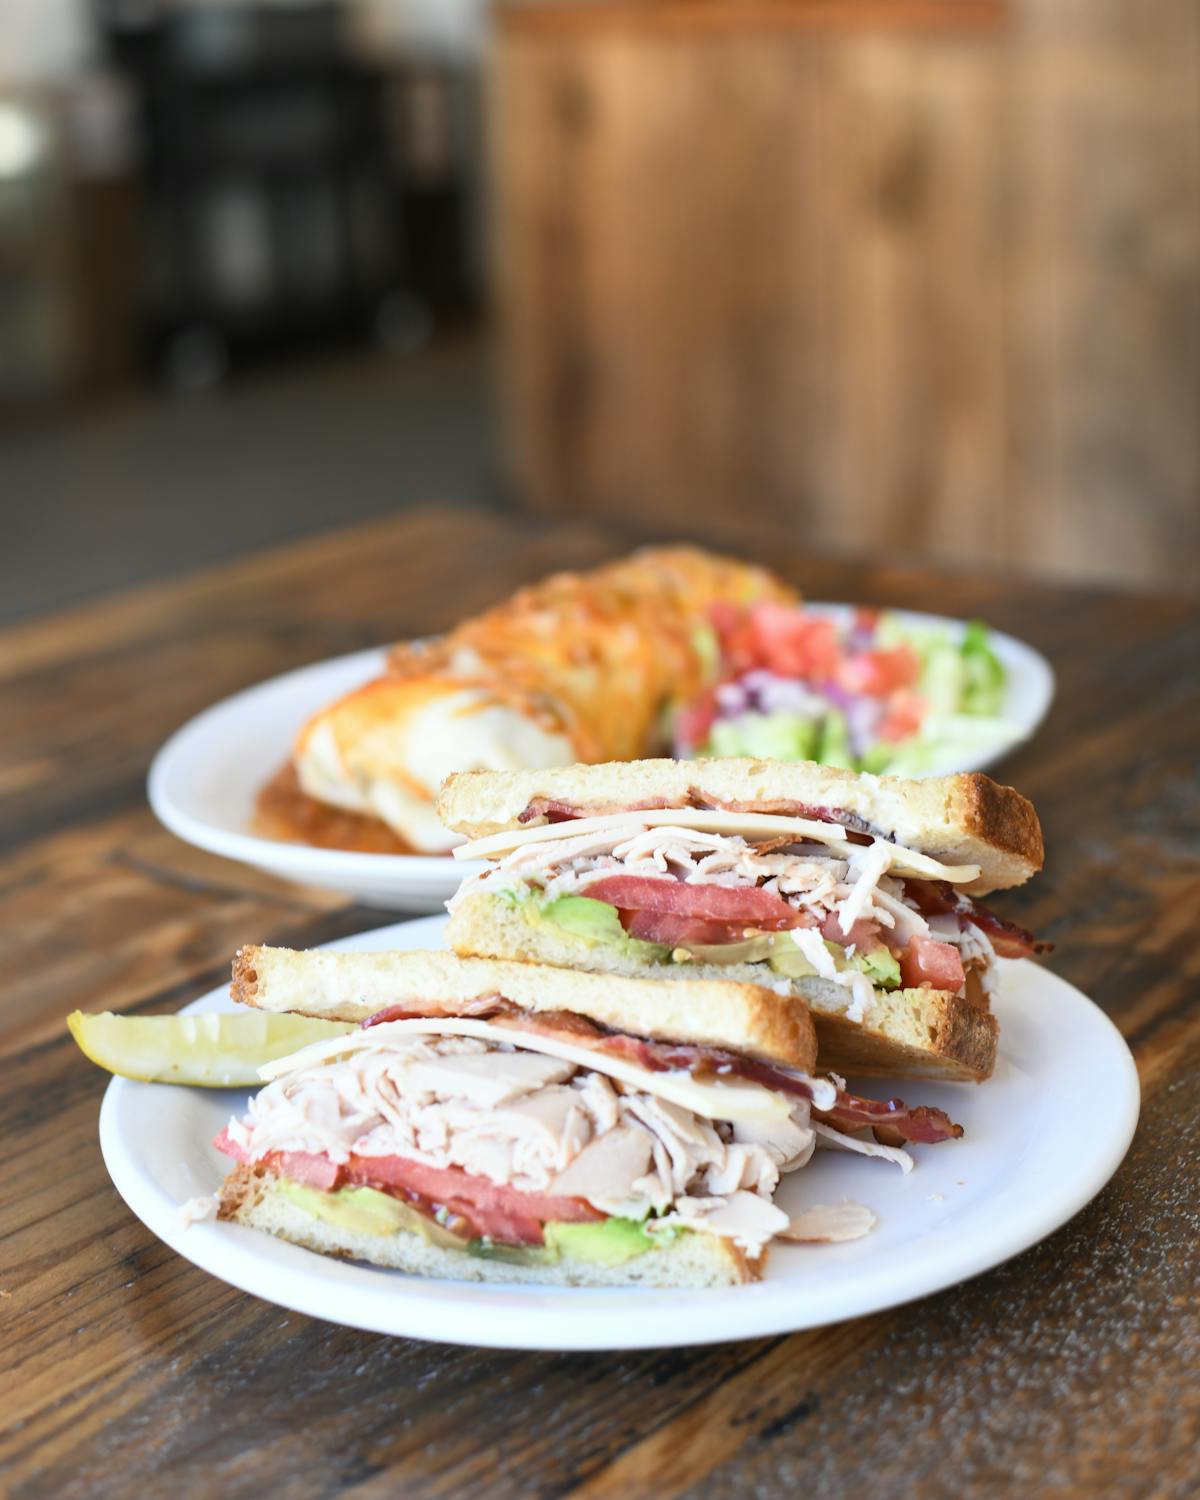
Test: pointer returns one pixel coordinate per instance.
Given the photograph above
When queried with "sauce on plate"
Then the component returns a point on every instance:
(284, 811)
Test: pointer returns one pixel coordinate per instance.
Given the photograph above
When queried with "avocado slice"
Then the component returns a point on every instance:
(513, 1255)
(365, 1210)
(607, 1244)
(596, 923)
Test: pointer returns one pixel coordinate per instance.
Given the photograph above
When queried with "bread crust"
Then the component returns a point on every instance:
(251, 1196)
(964, 819)
(919, 1033)
(720, 1011)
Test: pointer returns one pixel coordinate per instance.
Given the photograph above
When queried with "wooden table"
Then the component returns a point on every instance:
(126, 1371)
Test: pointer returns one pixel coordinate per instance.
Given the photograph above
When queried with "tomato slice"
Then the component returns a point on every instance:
(675, 930)
(500, 1212)
(747, 904)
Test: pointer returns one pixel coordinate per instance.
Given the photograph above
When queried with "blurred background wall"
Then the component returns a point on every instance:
(920, 276)
(908, 276)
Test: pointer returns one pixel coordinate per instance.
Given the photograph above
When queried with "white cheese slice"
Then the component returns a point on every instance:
(909, 862)
(735, 1100)
(623, 825)
(749, 826)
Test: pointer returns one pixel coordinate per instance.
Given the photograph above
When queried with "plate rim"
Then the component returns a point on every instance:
(345, 867)
(757, 1312)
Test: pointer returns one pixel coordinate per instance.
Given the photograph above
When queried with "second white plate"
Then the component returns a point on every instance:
(204, 780)
(1036, 1149)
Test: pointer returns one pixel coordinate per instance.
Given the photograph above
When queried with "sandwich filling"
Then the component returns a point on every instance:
(803, 896)
(526, 1136)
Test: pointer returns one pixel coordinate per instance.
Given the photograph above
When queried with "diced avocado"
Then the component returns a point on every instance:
(593, 922)
(942, 678)
(607, 1244)
(880, 966)
(877, 758)
(707, 646)
(834, 749)
(364, 1210)
(779, 736)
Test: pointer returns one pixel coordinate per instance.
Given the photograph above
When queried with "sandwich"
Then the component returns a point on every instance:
(856, 892)
(495, 1121)
(579, 667)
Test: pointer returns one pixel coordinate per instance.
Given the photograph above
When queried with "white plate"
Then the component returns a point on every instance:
(1036, 1149)
(204, 780)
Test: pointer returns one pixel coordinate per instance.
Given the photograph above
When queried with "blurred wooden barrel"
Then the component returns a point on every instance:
(917, 277)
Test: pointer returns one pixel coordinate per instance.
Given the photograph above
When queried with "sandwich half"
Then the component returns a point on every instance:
(856, 892)
(497, 1121)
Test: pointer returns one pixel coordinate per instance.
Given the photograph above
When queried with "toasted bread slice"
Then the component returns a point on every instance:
(918, 1033)
(966, 819)
(717, 1011)
(253, 1196)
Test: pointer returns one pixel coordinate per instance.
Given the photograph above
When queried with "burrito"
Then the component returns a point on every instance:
(581, 667)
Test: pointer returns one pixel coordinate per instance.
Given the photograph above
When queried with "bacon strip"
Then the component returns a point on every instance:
(562, 812)
(553, 812)
(923, 1124)
(937, 898)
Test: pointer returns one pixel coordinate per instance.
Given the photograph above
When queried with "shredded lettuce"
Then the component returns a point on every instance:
(983, 686)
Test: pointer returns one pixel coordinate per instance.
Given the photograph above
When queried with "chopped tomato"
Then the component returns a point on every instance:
(881, 672)
(866, 618)
(926, 961)
(694, 723)
(904, 717)
(793, 644)
(739, 641)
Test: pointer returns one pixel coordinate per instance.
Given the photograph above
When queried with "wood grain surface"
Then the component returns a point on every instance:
(125, 1371)
(892, 280)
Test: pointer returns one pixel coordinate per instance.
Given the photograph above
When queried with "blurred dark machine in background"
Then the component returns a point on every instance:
(294, 189)
(231, 181)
